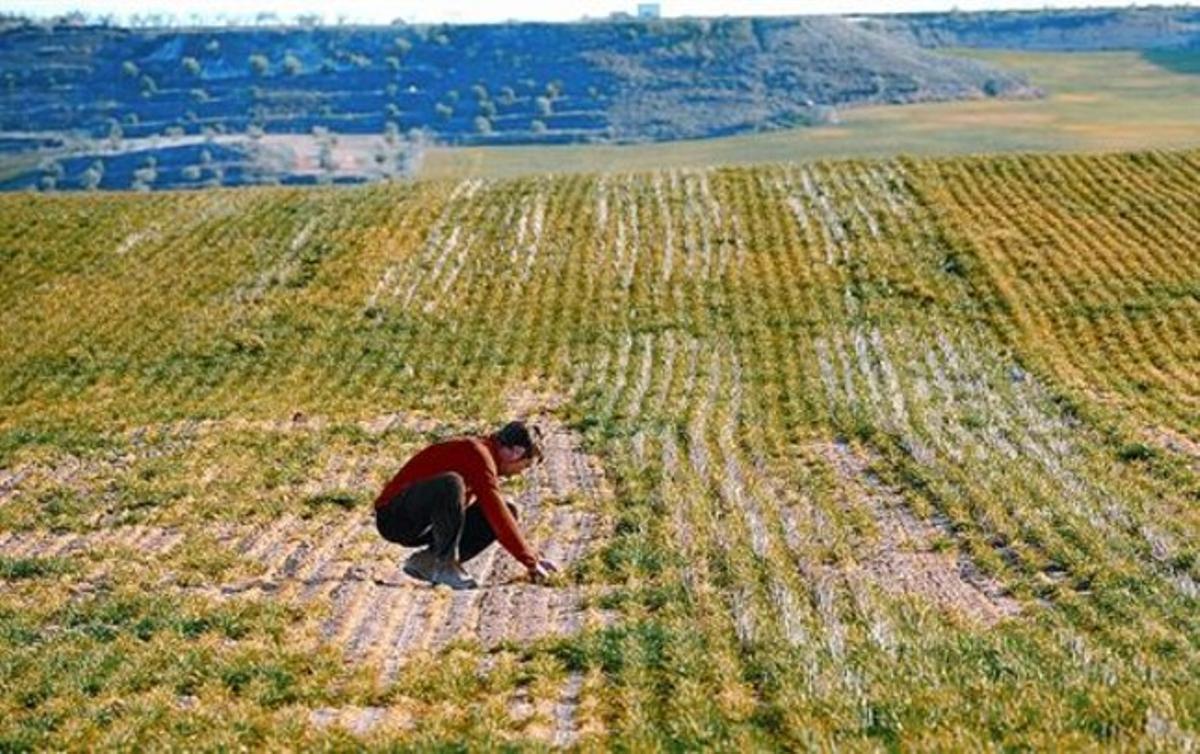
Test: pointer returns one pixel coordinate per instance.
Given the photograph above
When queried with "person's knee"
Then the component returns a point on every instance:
(454, 485)
(381, 526)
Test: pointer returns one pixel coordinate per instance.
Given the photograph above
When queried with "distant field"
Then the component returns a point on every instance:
(861, 456)
(1097, 102)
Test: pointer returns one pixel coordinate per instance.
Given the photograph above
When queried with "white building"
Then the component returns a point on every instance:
(649, 10)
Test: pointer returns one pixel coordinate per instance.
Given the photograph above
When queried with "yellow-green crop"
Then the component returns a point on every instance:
(897, 454)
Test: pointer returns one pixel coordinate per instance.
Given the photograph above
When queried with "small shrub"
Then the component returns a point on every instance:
(93, 175)
(954, 264)
(16, 569)
(325, 157)
(259, 64)
(292, 65)
(1135, 451)
(344, 499)
(146, 175)
(52, 168)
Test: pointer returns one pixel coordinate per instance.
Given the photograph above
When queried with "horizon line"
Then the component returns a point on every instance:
(270, 19)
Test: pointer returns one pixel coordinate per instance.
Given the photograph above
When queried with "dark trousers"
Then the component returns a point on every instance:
(433, 512)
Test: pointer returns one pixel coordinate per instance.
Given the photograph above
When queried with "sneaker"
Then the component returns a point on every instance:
(452, 574)
(421, 564)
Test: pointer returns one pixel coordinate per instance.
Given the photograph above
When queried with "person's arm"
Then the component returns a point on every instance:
(486, 486)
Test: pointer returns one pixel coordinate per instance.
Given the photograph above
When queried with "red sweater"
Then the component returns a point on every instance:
(474, 459)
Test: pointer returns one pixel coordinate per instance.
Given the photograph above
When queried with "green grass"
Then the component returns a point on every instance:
(820, 394)
(1095, 102)
(16, 569)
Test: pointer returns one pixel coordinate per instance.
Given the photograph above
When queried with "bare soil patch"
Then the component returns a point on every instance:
(361, 721)
(906, 557)
(1162, 437)
(151, 540)
(378, 614)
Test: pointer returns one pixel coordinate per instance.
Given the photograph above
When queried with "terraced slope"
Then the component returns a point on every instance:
(856, 454)
(160, 108)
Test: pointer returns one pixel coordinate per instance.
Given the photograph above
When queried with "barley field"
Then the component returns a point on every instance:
(852, 455)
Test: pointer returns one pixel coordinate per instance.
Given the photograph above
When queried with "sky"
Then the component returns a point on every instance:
(474, 11)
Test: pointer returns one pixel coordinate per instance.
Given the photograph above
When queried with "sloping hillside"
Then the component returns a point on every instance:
(357, 80)
(852, 455)
(721, 76)
(162, 93)
(1076, 29)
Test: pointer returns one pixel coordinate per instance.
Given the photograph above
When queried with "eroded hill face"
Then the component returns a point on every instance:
(1131, 28)
(839, 450)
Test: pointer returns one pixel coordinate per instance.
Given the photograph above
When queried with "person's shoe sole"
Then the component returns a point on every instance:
(458, 586)
(412, 570)
(456, 583)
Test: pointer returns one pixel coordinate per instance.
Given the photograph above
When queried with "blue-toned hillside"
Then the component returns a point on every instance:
(616, 81)
(1132, 28)
(466, 84)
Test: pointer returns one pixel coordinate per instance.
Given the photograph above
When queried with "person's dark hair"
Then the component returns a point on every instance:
(518, 434)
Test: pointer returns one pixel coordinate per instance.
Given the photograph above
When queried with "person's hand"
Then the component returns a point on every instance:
(540, 571)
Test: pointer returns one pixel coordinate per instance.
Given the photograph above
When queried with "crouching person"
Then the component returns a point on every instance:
(447, 499)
